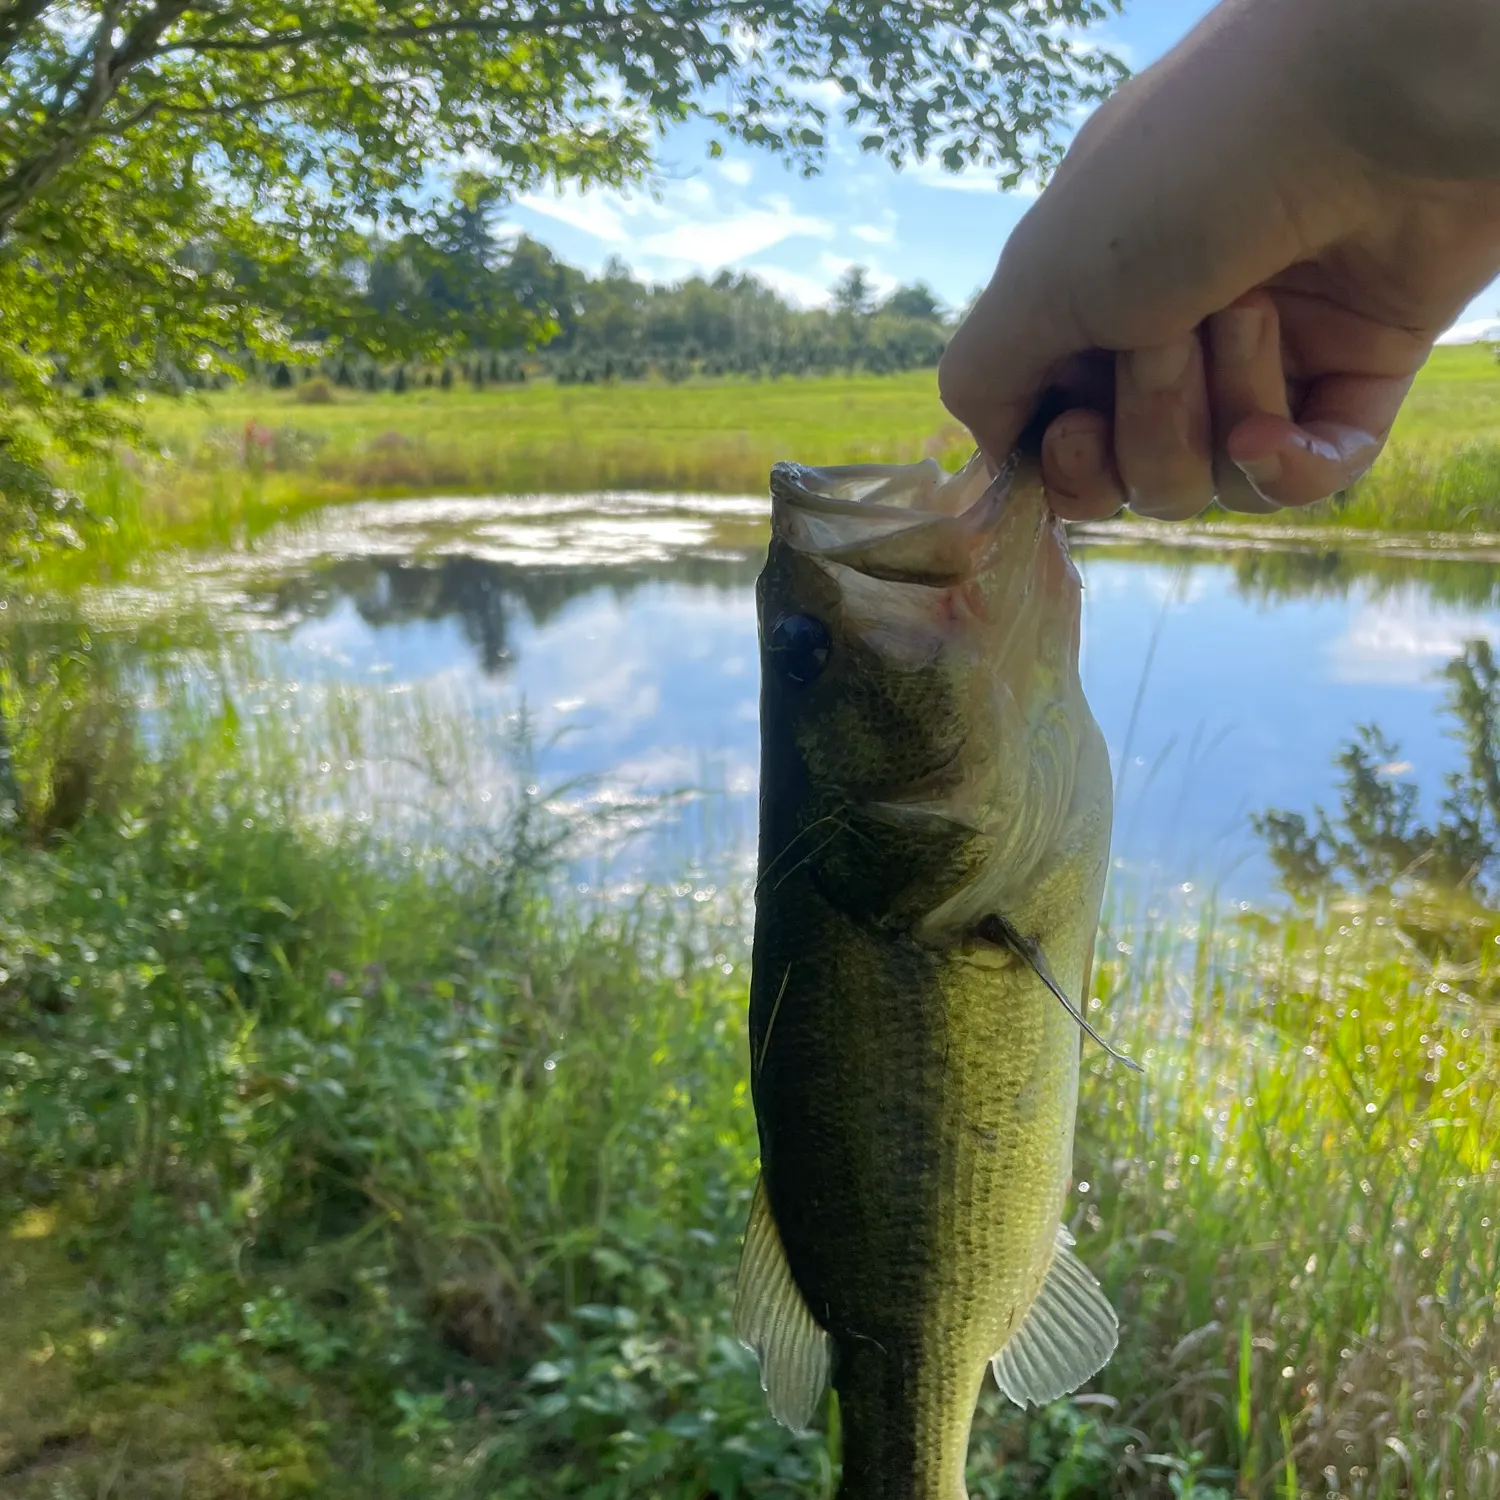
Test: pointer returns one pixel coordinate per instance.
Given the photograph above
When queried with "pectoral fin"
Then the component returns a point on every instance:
(771, 1318)
(1067, 1336)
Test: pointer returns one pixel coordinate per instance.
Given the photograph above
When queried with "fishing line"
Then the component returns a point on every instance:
(996, 929)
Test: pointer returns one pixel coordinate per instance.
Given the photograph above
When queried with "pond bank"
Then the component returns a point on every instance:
(232, 463)
(402, 1168)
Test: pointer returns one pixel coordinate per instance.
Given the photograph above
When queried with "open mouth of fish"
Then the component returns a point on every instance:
(912, 523)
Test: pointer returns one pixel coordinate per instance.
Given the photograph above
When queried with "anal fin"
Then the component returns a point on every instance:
(1066, 1337)
(771, 1318)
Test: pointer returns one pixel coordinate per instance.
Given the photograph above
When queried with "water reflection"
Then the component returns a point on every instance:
(1290, 568)
(485, 599)
(1228, 681)
(1378, 837)
(1434, 875)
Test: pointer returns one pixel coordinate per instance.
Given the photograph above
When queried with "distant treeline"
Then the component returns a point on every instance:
(502, 312)
(580, 327)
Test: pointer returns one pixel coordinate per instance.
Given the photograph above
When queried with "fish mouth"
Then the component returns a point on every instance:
(901, 523)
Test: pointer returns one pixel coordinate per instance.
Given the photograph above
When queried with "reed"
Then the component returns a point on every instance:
(334, 1122)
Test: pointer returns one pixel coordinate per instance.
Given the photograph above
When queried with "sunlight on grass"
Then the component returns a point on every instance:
(220, 469)
(34, 1224)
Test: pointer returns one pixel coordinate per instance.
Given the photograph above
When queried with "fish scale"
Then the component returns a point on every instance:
(934, 834)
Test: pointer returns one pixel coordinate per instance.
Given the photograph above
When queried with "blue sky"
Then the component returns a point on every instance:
(750, 213)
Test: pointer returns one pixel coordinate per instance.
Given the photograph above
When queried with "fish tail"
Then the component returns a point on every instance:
(903, 1437)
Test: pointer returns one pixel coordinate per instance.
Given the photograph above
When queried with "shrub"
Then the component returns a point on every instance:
(316, 392)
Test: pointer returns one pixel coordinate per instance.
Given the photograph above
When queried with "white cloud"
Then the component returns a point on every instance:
(934, 174)
(793, 285)
(874, 234)
(737, 170)
(1475, 331)
(693, 224)
(721, 242)
(600, 214)
(694, 192)
(825, 92)
(1403, 641)
(971, 179)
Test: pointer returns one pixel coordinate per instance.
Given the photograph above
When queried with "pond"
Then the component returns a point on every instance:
(1226, 677)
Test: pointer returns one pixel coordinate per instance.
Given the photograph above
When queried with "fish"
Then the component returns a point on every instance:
(935, 815)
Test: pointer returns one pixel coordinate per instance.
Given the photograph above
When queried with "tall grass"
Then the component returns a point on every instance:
(256, 449)
(223, 468)
(1454, 488)
(1300, 1203)
(401, 1169)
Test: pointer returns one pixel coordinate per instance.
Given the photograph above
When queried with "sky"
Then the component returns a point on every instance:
(748, 212)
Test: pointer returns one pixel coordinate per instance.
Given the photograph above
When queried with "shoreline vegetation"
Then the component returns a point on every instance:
(337, 1160)
(220, 466)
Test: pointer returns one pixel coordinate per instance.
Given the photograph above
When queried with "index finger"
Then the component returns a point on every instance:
(995, 370)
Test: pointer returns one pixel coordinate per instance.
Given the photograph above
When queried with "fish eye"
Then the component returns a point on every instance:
(799, 645)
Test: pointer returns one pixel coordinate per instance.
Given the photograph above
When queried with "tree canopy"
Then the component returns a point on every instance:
(610, 326)
(164, 162)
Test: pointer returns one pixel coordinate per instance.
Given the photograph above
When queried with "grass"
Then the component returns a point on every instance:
(223, 468)
(1456, 399)
(349, 1155)
(230, 464)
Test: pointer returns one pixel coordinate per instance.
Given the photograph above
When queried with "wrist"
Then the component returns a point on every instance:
(1409, 85)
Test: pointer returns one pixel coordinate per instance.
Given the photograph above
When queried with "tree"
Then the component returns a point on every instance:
(914, 301)
(1378, 839)
(445, 285)
(851, 293)
(171, 169)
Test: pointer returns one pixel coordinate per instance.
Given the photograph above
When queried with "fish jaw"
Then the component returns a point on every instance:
(970, 547)
(952, 597)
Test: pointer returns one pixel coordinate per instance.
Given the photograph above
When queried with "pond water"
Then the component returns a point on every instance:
(1226, 679)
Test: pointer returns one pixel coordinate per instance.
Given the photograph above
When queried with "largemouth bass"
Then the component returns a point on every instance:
(934, 830)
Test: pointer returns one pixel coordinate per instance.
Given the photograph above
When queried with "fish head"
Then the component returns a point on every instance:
(925, 737)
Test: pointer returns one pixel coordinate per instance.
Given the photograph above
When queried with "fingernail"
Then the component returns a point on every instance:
(1237, 334)
(1078, 451)
(1260, 471)
(1160, 368)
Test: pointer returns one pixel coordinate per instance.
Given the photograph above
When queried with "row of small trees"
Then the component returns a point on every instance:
(582, 329)
(515, 309)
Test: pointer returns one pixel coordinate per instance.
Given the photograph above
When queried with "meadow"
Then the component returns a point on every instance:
(228, 463)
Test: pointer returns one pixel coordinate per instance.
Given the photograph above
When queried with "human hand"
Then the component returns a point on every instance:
(1245, 259)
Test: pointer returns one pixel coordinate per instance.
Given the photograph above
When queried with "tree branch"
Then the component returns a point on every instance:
(64, 135)
(622, 25)
(14, 19)
(164, 107)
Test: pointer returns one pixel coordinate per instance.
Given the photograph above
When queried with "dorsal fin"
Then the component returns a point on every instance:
(771, 1318)
(1066, 1337)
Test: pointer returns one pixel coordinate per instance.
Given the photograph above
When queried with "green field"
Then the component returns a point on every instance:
(1456, 400)
(217, 464)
